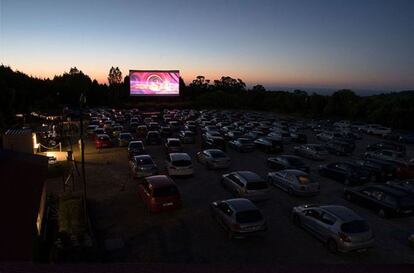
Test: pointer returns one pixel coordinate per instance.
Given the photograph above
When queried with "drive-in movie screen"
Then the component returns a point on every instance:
(154, 82)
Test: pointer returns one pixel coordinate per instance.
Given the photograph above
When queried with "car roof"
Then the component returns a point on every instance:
(389, 190)
(179, 156)
(342, 212)
(288, 157)
(249, 175)
(159, 180)
(137, 157)
(241, 204)
(295, 172)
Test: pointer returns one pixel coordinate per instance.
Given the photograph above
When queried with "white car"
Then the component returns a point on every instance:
(179, 164)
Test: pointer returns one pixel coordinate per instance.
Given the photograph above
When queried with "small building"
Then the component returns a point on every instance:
(22, 204)
(21, 140)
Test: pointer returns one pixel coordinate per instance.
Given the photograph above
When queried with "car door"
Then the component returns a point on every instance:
(224, 211)
(324, 226)
(287, 180)
(278, 178)
(311, 220)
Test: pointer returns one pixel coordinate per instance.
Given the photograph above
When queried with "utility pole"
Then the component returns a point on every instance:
(82, 102)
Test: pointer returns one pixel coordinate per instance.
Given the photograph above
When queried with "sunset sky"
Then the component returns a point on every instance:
(364, 44)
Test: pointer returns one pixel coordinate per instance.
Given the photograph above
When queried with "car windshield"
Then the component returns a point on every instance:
(217, 154)
(125, 136)
(181, 163)
(165, 191)
(245, 141)
(355, 226)
(135, 145)
(258, 185)
(248, 216)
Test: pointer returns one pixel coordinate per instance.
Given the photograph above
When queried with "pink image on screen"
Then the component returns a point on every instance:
(154, 83)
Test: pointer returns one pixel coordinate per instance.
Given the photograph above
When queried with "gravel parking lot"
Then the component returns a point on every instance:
(191, 235)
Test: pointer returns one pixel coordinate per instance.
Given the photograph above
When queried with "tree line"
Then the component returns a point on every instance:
(21, 93)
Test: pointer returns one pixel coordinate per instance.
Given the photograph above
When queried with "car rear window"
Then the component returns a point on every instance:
(245, 141)
(258, 185)
(136, 145)
(217, 154)
(174, 143)
(181, 163)
(355, 226)
(145, 161)
(165, 191)
(248, 216)
(304, 180)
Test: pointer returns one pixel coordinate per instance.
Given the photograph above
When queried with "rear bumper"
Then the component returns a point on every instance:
(348, 247)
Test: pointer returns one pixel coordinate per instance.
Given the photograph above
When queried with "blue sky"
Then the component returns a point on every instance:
(362, 44)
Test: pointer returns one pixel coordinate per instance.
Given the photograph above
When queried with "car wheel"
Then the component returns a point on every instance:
(296, 220)
(382, 213)
(332, 246)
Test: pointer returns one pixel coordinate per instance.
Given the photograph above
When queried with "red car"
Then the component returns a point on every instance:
(103, 141)
(159, 193)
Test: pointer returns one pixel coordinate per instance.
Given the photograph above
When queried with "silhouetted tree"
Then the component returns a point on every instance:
(258, 88)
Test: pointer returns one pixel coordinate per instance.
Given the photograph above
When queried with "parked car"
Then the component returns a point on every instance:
(404, 185)
(103, 141)
(124, 139)
(166, 131)
(153, 137)
(295, 182)
(407, 138)
(242, 145)
(160, 193)
(214, 142)
(142, 166)
(246, 184)
(173, 145)
(282, 162)
(179, 164)
(239, 217)
(269, 145)
(380, 170)
(347, 173)
(142, 131)
(340, 228)
(232, 135)
(213, 158)
(378, 130)
(311, 151)
(385, 145)
(135, 147)
(187, 137)
(385, 200)
(299, 137)
(338, 148)
(383, 154)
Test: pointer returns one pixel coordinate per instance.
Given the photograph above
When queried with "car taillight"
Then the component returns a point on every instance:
(344, 237)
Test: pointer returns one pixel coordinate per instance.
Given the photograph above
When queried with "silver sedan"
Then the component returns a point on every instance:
(294, 182)
(213, 159)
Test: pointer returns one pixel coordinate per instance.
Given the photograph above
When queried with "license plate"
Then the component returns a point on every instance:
(167, 204)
